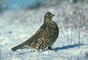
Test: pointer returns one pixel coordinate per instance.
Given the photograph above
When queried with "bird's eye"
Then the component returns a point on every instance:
(50, 15)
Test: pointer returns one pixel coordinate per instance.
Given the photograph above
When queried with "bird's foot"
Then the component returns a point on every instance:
(49, 48)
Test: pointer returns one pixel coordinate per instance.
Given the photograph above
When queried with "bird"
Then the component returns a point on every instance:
(44, 38)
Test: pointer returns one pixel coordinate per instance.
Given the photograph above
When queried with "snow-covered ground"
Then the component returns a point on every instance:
(17, 27)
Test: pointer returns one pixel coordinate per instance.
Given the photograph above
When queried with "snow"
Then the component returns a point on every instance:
(17, 27)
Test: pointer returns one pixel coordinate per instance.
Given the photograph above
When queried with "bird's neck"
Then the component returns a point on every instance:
(47, 20)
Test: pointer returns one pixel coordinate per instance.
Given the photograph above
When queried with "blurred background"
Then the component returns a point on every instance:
(29, 4)
(66, 11)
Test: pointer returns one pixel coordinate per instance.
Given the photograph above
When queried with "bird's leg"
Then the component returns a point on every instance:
(49, 48)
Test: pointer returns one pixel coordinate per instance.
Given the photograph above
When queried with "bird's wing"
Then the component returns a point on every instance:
(41, 33)
(43, 30)
(39, 36)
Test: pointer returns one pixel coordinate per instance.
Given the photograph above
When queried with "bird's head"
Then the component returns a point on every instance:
(48, 15)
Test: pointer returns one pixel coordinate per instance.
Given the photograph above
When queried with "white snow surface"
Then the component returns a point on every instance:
(17, 27)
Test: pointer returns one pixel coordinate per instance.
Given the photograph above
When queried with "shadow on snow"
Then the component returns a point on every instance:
(67, 47)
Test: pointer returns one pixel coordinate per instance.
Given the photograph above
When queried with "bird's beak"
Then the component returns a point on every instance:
(53, 15)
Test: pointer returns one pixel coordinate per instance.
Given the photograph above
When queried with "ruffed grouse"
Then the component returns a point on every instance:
(44, 37)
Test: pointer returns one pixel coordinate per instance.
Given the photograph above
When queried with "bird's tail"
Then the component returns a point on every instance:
(17, 47)
(22, 45)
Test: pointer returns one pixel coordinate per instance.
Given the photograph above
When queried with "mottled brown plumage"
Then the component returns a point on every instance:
(44, 37)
